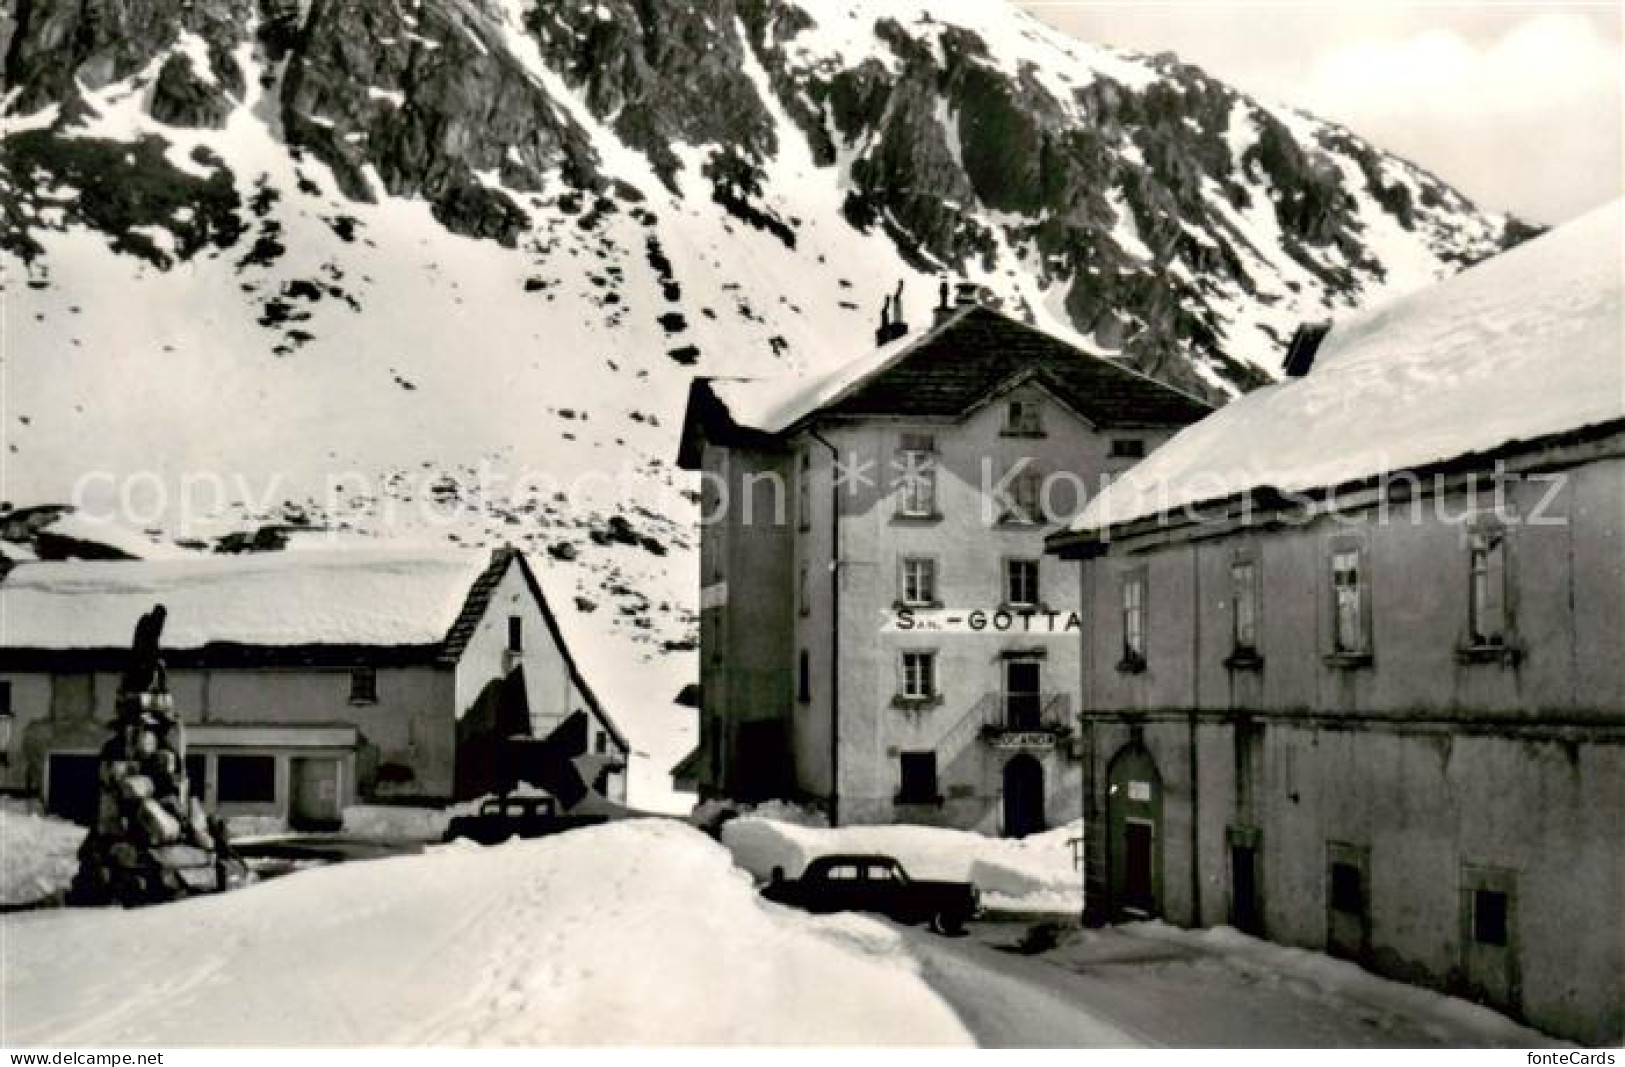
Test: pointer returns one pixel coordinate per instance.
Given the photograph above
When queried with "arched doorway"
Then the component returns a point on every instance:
(1023, 796)
(1134, 834)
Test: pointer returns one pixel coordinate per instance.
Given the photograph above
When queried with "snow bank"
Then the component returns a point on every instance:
(1451, 1020)
(640, 933)
(1034, 873)
(38, 853)
(392, 823)
(1442, 373)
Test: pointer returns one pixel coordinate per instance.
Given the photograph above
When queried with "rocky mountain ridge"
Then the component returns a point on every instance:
(441, 269)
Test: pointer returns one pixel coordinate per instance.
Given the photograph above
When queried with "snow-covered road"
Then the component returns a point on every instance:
(641, 933)
(645, 933)
(1010, 1001)
(1131, 986)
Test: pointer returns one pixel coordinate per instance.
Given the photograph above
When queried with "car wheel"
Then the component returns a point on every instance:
(947, 923)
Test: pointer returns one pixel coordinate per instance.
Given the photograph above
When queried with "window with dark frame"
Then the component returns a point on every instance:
(1134, 619)
(918, 772)
(1022, 418)
(5, 698)
(1491, 914)
(1021, 583)
(1026, 492)
(1349, 633)
(1244, 606)
(804, 677)
(917, 467)
(804, 493)
(601, 742)
(919, 675)
(516, 633)
(1487, 588)
(1128, 447)
(919, 581)
(246, 779)
(804, 589)
(363, 685)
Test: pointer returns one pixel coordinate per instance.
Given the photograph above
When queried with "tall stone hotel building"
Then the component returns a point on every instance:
(878, 634)
(1374, 713)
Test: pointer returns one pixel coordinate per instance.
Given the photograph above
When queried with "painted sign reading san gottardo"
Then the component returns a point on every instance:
(1037, 622)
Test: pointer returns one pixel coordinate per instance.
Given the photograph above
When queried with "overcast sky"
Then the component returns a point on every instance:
(1516, 104)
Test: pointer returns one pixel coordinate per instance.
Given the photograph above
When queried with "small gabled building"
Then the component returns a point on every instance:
(1355, 682)
(307, 680)
(880, 633)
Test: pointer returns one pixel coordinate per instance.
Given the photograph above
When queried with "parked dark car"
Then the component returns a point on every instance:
(876, 884)
(505, 817)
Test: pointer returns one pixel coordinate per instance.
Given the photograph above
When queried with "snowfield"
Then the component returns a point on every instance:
(1036, 873)
(639, 933)
(38, 853)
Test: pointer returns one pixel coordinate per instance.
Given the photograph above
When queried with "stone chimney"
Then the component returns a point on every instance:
(892, 325)
(943, 308)
(951, 299)
(1304, 346)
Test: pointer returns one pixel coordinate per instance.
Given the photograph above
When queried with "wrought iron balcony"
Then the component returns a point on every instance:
(1023, 720)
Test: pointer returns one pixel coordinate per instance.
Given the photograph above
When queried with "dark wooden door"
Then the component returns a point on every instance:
(1244, 909)
(1023, 796)
(74, 788)
(315, 801)
(1139, 888)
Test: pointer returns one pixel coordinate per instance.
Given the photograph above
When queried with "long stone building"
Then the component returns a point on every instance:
(307, 680)
(1355, 680)
(880, 632)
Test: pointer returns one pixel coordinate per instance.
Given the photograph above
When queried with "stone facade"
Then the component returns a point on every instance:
(300, 732)
(891, 654)
(1438, 799)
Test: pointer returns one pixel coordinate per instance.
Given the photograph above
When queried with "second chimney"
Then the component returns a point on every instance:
(892, 325)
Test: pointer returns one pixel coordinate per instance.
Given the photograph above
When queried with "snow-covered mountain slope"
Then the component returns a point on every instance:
(440, 270)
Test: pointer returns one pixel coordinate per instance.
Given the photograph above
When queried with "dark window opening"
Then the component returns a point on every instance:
(1134, 620)
(1128, 447)
(919, 777)
(1487, 588)
(1243, 607)
(804, 678)
(601, 743)
(247, 779)
(5, 698)
(197, 774)
(1349, 632)
(363, 686)
(1022, 418)
(516, 633)
(1348, 889)
(1490, 913)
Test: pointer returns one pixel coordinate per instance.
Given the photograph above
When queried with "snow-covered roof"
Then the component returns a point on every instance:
(771, 405)
(1516, 348)
(945, 371)
(373, 597)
